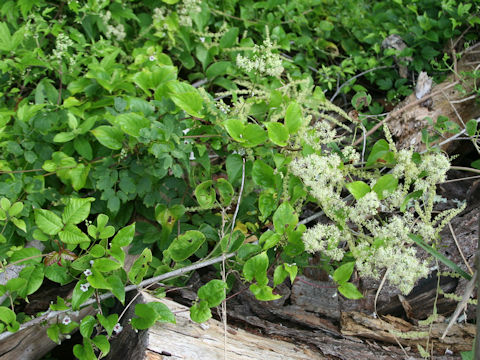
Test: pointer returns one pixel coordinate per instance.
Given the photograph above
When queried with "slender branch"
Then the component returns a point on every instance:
(51, 314)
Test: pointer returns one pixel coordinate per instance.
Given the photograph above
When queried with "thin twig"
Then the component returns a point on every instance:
(355, 77)
(459, 248)
(461, 179)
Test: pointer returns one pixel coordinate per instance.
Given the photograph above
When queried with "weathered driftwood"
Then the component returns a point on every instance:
(394, 330)
(448, 100)
(33, 342)
(189, 340)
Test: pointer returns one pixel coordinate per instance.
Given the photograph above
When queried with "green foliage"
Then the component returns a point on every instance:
(171, 129)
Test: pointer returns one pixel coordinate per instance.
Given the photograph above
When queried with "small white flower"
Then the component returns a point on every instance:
(66, 320)
(202, 39)
(117, 328)
(84, 287)
(152, 58)
(91, 262)
(88, 272)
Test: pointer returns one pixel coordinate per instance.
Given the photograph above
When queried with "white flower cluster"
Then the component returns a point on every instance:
(320, 134)
(262, 60)
(117, 31)
(186, 10)
(376, 232)
(61, 46)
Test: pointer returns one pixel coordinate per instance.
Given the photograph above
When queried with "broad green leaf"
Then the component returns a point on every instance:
(186, 245)
(412, 196)
(205, 194)
(53, 332)
(218, 68)
(419, 241)
(266, 204)
(83, 147)
(32, 253)
(101, 342)
(85, 351)
(350, 291)
(293, 117)
(132, 123)
(254, 135)
(7, 315)
(186, 97)
(279, 275)
(342, 273)
(292, 270)
(387, 183)
(284, 217)
(263, 174)
(77, 210)
(358, 189)
(256, 268)
(213, 292)
(19, 223)
(269, 239)
(200, 312)
(471, 127)
(86, 326)
(63, 137)
(15, 284)
(79, 296)
(277, 133)
(73, 235)
(234, 166)
(106, 265)
(34, 277)
(229, 39)
(48, 222)
(109, 136)
(235, 129)
(139, 267)
(98, 281)
(78, 176)
(109, 322)
(124, 236)
(15, 209)
(117, 287)
(380, 152)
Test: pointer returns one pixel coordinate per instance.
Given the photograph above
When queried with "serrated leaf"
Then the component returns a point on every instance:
(77, 210)
(48, 222)
(186, 97)
(73, 235)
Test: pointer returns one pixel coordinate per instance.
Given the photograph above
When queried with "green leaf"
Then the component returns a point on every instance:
(149, 313)
(266, 204)
(117, 287)
(5, 204)
(109, 322)
(106, 265)
(124, 236)
(186, 97)
(350, 291)
(186, 245)
(476, 164)
(73, 235)
(263, 174)
(292, 271)
(213, 292)
(83, 147)
(225, 189)
(358, 189)
(15, 209)
(86, 326)
(254, 135)
(284, 216)
(256, 268)
(229, 38)
(34, 277)
(98, 281)
(234, 165)
(380, 151)
(15, 284)
(277, 133)
(26, 253)
(205, 194)
(342, 273)
(218, 68)
(263, 292)
(7, 315)
(412, 196)
(78, 176)
(293, 117)
(48, 221)
(53, 332)
(235, 129)
(139, 267)
(19, 224)
(62, 137)
(387, 183)
(279, 275)
(101, 342)
(269, 239)
(109, 136)
(77, 210)
(471, 127)
(85, 351)
(79, 296)
(57, 273)
(200, 312)
(132, 123)
(419, 241)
